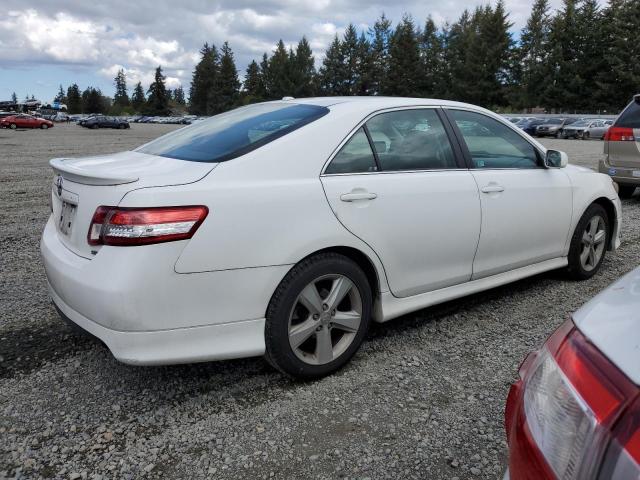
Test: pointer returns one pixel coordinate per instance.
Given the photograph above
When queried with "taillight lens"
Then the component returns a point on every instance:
(619, 134)
(144, 226)
(561, 414)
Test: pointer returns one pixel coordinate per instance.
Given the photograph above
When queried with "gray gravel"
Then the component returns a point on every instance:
(424, 398)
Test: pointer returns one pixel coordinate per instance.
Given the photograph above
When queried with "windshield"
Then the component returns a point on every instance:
(581, 123)
(554, 121)
(234, 133)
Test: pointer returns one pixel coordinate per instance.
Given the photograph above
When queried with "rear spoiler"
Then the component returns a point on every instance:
(72, 170)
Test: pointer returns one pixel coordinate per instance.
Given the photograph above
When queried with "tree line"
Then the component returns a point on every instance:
(580, 58)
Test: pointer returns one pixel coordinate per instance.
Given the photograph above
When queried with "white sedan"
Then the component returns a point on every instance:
(283, 228)
(574, 413)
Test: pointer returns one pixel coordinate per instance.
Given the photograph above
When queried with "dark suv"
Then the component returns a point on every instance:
(101, 121)
(622, 150)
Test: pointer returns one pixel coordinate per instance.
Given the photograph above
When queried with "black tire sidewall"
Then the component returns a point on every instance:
(626, 191)
(278, 350)
(575, 266)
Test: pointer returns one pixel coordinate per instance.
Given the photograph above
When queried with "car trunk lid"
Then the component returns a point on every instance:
(81, 185)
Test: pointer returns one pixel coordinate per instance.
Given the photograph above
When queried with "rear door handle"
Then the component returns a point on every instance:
(355, 196)
(492, 188)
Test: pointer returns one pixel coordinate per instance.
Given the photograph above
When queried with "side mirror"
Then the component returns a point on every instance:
(556, 159)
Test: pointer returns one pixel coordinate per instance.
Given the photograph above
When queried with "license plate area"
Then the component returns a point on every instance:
(67, 217)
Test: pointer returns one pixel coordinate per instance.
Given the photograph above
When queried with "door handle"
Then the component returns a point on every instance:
(355, 196)
(492, 188)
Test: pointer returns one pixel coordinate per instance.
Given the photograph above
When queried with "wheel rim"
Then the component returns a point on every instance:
(593, 243)
(325, 319)
(13, 126)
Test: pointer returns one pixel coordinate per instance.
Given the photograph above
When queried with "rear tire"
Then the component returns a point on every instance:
(586, 136)
(589, 243)
(13, 126)
(626, 191)
(309, 334)
(122, 126)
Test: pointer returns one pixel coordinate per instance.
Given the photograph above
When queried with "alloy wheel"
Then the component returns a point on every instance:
(593, 243)
(325, 319)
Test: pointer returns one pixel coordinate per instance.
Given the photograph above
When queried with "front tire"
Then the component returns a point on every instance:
(589, 243)
(318, 317)
(44, 126)
(586, 136)
(13, 126)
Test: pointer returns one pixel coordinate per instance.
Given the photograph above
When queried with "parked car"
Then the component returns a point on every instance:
(574, 412)
(552, 127)
(586, 129)
(23, 120)
(102, 121)
(622, 149)
(284, 228)
(530, 126)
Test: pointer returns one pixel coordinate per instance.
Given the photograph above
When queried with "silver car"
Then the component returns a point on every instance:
(586, 129)
(622, 150)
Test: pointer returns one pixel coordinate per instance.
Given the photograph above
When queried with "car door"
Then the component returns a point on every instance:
(597, 129)
(526, 208)
(401, 186)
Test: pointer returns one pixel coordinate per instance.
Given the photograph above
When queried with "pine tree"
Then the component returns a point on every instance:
(533, 55)
(379, 55)
(178, 96)
(121, 97)
(303, 71)
(157, 101)
(332, 70)
(351, 71)
(138, 99)
(278, 81)
(404, 61)
(92, 101)
(253, 87)
(431, 61)
(74, 99)
(365, 67)
(14, 97)
(495, 37)
(60, 97)
(226, 86)
(201, 93)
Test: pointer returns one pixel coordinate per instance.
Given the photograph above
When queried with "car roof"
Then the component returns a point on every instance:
(375, 102)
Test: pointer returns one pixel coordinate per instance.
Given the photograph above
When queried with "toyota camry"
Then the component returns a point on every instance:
(284, 228)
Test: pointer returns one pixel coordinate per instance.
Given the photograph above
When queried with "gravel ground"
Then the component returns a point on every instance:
(424, 398)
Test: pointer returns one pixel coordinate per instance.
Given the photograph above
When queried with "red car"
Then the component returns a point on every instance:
(25, 121)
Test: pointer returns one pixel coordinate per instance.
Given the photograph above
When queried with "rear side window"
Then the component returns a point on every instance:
(235, 133)
(411, 140)
(630, 117)
(355, 157)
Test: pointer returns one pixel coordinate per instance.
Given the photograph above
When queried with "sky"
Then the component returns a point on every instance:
(45, 43)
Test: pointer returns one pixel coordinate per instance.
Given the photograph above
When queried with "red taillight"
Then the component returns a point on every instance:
(564, 411)
(619, 134)
(144, 226)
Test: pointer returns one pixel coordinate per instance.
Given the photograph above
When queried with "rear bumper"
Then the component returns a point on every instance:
(133, 300)
(622, 175)
(181, 345)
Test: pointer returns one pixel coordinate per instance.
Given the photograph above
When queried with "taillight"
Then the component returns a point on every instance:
(562, 415)
(619, 134)
(144, 226)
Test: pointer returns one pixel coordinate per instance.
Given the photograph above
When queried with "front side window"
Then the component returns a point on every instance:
(234, 133)
(355, 157)
(411, 140)
(492, 144)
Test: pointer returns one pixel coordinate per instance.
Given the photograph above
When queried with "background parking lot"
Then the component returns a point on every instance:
(423, 398)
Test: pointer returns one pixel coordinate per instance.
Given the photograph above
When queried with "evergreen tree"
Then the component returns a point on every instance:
(279, 79)
(157, 101)
(404, 61)
(332, 69)
(351, 71)
(74, 99)
(303, 70)
(121, 97)
(431, 61)
(365, 67)
(226, 86)
(138, 99)
(496, 41)
(378, 59)
(254, 90)
(201, 93)
(14, 97)
(178, 96)
(533, 55)
(92, 101)
(60, 97)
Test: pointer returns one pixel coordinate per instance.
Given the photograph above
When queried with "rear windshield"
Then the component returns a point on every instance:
(630, 117)
(233, 133)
